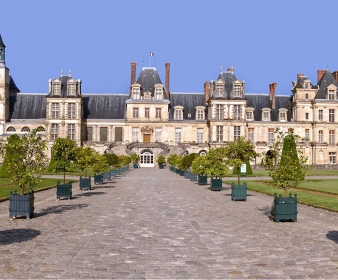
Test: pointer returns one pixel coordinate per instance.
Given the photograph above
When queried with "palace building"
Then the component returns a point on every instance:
(150, 119)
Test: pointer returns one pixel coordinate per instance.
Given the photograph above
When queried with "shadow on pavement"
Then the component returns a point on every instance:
(11, 236)
(333, 235)
(58, 209)
(90, 193)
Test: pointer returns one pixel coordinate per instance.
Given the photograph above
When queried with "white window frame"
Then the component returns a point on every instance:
(71, 131)
(236, 90)
(178, 113)
(332, 137)
(55, 110)
(57, 88)
(136, 93)
(251, 134)
(237, 132)
(271, 135)
(320, 136)
(331, 115)
(333, 157)
(219, 112)
(135, 134)
(135, 112)
(219, 133)
(158, 134)
(178, 135)
(158, 112)
(147, 112)
(320, 115)
(237, 111)
(199, 135)
(54, 131)
(71, 89)
(71, 110)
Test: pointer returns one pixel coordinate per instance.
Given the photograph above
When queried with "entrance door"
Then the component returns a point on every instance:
(146, 138)
(147, 158)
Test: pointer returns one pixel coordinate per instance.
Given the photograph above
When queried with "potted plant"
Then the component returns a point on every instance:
(25, 161)
(112, 160)
(85, 161)
(161, 161)
(239, 153)
(64, 158)
(179, 164)
(217, 167)
(100, 167)
(199, 167)
(135, 159)
(172, 160)
(287, 166)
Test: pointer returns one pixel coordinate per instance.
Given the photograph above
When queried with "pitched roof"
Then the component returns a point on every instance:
(64, 79)
(326, 80)
(104, 106)
(12, 87)
(1, 42)
(27, 106)
(189, 101)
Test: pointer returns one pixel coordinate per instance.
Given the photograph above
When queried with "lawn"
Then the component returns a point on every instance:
(316, 193)
(314, 172)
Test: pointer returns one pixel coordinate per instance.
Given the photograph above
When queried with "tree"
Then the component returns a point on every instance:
(100, 163)
(112, 159)
(160, 159)
(199, 165)
(135, 158)
(172, 160)
(187, 160)
(240, 152)
(64, 155)
(124, 160)
(218, 165)
(286, 164)
(26, 159)
(85, 158)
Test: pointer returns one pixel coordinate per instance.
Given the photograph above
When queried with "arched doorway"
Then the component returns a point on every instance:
(147, 158)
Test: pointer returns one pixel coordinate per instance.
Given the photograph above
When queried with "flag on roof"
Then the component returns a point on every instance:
(152, 54)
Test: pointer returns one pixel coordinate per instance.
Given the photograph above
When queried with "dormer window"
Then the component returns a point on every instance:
(71, 88)
(266, 114)
(219, 89)
(250, 114)
(331, 94)
(236, 90)
(57, 88)
(178, 113)
(200, 113)
(283, 115)
(136, 93)
(158, 92)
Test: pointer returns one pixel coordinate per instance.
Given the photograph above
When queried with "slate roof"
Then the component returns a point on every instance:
(189, 101)
(326, 80)
(12, 87)
(260, 101)
(27, 106)
(300, 83)
(104, 106)
(147, 79)
(228, 77)
(1, 42)
(64, 80)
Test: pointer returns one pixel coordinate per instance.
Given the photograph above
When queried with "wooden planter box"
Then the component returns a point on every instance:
(202, 180)
(85, 183)
(284, 208)
(21, 205)
(239, 192)
(193, 177)
(98, 179)
(106, 176)
(216, 184)
(63, 190)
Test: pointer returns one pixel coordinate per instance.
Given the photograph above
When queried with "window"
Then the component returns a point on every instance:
(306, 116)
(320, 136)
(71, 89)
(146, 112)
(249, 115)
(158, 112)
(332, 139)
(103, 133)
(178, 113)
(158, 134)
(55, 111)
(219, 90)
(135, 134)
(237, 112)
(307, 134)
(11, 129)
(57, 89)
(266, 116)
(251, 135)
(219, 112)
(199, 113)
(178, 135)
(236, 90)
(54, 131)
(306, 95)
(118, 134)
(219, 133)
(332, 156)
(136, 93)
(71, 110)
(25, 129)
(159, 94)
(199, 135)
(135, 112)
(237, 132)
(271, 135)
(331, 95)
(71, 131)
(331, 115)
(282, 117)
(320, 115)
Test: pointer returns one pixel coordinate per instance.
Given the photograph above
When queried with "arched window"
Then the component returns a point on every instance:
(25, 129)
(10, 129)
(40, 128)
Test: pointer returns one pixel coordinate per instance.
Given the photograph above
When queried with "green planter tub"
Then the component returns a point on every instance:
(85, 183)
(135, 165)
(161, 166)
(202, 180)
(187, 174)
(216, 184)
(193, 177)
(21, 205)
(239, 192)
(98, 179)
(63, 190)
(284, 208)
(106, 176)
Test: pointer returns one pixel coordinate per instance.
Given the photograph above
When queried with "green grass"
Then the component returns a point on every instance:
(6, 186)
(320, 199)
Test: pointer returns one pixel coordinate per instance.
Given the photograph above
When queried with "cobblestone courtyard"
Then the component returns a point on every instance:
(151, 223)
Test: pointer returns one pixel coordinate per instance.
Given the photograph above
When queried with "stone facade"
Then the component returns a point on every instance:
(150, 119)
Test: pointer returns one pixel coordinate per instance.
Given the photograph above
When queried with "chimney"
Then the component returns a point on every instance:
(231, 69)
(207, 91)
(335, 75)
(272, 94)
(133, 73)
(320, 74)
(299, 75)
(167, 76)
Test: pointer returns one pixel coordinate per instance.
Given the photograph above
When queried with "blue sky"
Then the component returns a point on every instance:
(264, 40)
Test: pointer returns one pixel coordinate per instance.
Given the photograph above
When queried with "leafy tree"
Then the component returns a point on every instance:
(217, 166)
(199, 165)
(135, 158)
(240, 152)
(172, 160)
(26, 159)
(85, 158)
(112, 159)
(286, 164)
(187, 160)
(64, 155)
(124, 160)
(100, 163)
(160, 159)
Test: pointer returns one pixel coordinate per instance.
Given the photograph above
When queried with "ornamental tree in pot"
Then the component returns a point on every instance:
(100, 166)
(239, 152)
(135, 158)
(161, 160)
(199, 167)
(287, 167)
(26, 160)
(186, 163)
(172, 160)
(85, 161)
